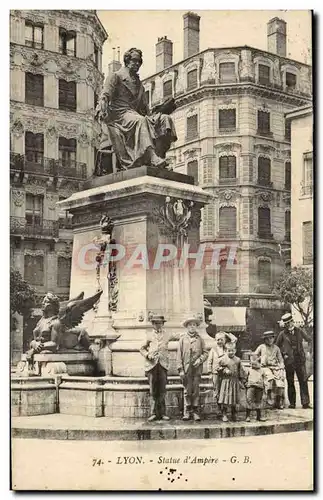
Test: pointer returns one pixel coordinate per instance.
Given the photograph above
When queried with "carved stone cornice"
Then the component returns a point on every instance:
(244, 89)
(53, 63)
(228, 196)
(191, 153)
(52, 123)
(228, 147)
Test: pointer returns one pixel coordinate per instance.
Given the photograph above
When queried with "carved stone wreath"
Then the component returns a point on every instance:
(174, 218)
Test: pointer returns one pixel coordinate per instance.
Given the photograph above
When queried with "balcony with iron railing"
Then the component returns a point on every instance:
(39, 165)
(19, 226)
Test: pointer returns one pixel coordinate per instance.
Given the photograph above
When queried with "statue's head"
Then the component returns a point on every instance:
(50, 303)
(133, 59)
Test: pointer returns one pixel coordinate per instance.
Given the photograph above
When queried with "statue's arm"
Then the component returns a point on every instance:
(109, 89)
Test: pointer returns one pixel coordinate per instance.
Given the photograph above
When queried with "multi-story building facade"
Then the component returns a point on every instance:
(55, 78)
(301, 120)
(234, 139)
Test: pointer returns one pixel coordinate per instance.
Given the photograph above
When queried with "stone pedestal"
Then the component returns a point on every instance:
(149, 208)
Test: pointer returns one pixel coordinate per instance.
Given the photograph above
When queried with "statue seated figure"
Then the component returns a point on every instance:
(138, 136)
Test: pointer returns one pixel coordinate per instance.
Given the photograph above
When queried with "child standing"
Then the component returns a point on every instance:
(232, 373)
(255, 388)
(217, 352)
(155, 352)
(191, 354)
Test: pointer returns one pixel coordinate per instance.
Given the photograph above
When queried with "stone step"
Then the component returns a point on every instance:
(67, 427)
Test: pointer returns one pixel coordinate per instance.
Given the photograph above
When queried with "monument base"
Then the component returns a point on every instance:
(49, 364)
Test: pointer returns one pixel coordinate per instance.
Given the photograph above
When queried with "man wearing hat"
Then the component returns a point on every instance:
(290, 342)
(191, 354)
(155, 351)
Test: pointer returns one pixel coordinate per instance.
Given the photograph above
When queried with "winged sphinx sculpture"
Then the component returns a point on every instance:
(58, 328)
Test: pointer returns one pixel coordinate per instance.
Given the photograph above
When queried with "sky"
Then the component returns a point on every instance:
(217, 29)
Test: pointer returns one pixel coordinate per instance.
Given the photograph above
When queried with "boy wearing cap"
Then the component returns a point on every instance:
(191, 354)
(290, 342)
(155, 351)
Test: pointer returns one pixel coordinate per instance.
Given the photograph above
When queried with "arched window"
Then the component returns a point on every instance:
(228, 222)
(264, 223)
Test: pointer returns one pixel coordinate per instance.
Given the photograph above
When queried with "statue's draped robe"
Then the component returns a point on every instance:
(129, 128)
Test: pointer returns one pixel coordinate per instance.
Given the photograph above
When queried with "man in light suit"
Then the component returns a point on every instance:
(137, 137)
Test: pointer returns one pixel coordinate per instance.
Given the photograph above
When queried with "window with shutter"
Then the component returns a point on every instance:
(264, 273)
(227, 278)
(307, 184)
(288, 130)
(228, 222)
(34, 210)
(227, 168)
(191, 126)
(67, 42)
(227, 119)
(308, 242)
(291, 80)
(264, 223)
(263, 122)
(64, 271)
(227, 72)
(34, 269)
(67, 152)
(34, 89)
(264, 171)
(34, 147)
(67, 95)
(287, 225)
(288, 175)
(168, 89)
(208, 221)
(193, 170)
(34, 35)
(264, 74)
(192, 79)
(96, 55)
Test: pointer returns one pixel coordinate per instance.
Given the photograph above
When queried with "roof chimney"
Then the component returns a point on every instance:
(115, 64)
(276, 36)
(191, 34)
(164, 53)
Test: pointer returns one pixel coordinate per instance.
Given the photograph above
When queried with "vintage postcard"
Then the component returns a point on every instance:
(161, 239)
